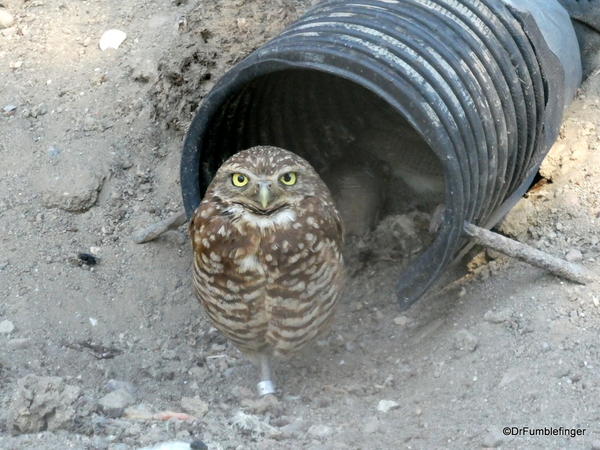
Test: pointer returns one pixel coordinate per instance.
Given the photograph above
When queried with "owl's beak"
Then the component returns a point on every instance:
(264, 194)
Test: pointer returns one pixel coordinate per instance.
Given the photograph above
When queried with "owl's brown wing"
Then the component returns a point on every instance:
(306, 270)
(230, 296)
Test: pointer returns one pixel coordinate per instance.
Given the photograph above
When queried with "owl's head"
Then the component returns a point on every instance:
(264, 179)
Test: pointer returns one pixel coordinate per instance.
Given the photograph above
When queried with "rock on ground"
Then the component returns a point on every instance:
(41, 403)
(115, 402)
(463, 340)
(194, 406)
(70, 183)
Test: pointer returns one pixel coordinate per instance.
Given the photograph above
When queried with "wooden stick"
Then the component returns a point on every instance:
(537, 258)
(155, 230)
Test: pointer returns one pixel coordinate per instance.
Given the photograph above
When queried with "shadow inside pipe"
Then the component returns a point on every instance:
(385, 179)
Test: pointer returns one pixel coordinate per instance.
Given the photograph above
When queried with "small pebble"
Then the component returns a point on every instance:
(6, 19)
(18, 344)
(401, 320)
(9, 108)
(116, 400)
(387, 405)
(574, 255)
(6, 327)
(112, 39)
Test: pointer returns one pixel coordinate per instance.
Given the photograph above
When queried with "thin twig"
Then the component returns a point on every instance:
(155, 230)
(510, 247)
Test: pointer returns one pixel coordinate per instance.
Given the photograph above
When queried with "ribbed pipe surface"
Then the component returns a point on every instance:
(463, 90)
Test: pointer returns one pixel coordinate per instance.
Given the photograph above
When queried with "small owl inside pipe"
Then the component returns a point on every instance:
(268, 267)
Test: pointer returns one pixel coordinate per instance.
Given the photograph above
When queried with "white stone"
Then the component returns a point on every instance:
(6, 327)
(401, 320)
(112, 39)
(6, 19)
(387, 405)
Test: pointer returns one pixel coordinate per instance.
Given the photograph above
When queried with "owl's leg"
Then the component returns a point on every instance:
(266, 386)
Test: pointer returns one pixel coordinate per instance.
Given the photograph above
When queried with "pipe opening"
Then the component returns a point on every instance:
(330, 121)
(374, 162)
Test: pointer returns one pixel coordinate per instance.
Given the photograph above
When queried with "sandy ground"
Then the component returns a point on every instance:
(89, 354)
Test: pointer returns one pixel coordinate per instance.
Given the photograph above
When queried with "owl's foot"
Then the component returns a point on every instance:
(155, 230)
(266, 386)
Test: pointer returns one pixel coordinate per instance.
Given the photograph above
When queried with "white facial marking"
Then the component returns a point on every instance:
(279, 219)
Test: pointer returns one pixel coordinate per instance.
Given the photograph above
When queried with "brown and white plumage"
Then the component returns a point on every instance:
(267, 254)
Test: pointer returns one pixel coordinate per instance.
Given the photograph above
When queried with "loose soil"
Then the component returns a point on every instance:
(90, 155)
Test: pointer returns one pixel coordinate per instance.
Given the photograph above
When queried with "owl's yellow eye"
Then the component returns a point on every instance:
(288, 178)
(239, 179)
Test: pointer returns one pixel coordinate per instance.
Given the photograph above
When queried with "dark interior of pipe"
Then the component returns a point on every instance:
(352, 137)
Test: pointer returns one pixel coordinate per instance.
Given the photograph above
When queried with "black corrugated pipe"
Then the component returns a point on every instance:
(466, 95)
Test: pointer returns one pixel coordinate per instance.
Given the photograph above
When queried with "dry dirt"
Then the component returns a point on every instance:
(90, 155)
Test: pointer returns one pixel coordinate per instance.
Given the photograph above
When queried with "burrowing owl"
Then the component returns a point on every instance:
(267, 243)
